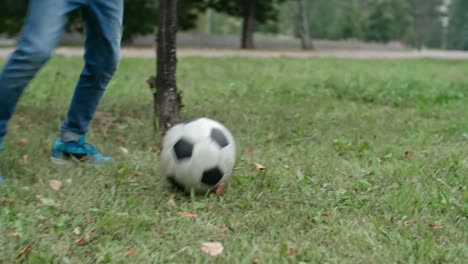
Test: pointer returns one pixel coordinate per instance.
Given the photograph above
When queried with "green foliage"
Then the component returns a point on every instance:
(140, 16)
(265, 10)
(12, 15)
(387, 20)
(458, 24)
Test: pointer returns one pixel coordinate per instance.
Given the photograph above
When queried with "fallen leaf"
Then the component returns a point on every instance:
(155, 150)
(24, 251)
(132, 252)
(24, 159)
(269, 135)
(171, 200)
(259, 167)
(292, 251)
(325, 213)
(7, 200)
(436, 225)
(409, 222)
(188, 214)
(11, 234)
(55, 185)
(249, 150)
(137, 174)
(212, 248)
(255, 260)
(123, 150)
(82, 241)
(77, 231)
(22, 142)
(409, 155)
(221, 188)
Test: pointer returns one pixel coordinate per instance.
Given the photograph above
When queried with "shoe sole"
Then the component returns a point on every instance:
(57, 161)
(62, 162)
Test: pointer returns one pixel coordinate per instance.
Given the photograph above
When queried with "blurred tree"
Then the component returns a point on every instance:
(458, 25)
(138, 19)
(426, 21)
(304, 20)
(251, 11)
(12, 15)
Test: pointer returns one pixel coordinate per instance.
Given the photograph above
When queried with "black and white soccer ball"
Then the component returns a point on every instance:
(198, 155)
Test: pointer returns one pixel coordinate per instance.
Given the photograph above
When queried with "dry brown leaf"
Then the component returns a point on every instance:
(269, 135)
(259, 167)
(24, 159)
(132, 252)
(82, 241)
(221, 188)
(22, 142)
(249, 150)
(436, 225)
(77, 231)
(24, 251)
(325, 213)
(188, 214)
(137, 174)
(292, 251)
(55, 185)
(7, 200)
(11, 234)
(409, 222)
(123, 150)
(409, 155)
(155, 150)
(171, 200)
(212, 248)
(255, 260)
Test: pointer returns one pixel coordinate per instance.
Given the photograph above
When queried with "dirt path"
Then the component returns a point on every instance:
(356, 54)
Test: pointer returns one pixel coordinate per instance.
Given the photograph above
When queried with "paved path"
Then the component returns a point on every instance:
(356, 54)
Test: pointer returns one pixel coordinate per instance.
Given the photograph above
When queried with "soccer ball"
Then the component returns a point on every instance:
(198, 155)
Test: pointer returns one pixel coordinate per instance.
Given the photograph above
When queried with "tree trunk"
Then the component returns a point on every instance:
(249, 24)
(167, 100)
(305, 34)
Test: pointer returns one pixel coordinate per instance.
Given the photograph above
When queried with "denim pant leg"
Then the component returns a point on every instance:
(41, 33)
(103, 32)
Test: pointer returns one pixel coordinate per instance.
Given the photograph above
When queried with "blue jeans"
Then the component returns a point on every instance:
(43, 29)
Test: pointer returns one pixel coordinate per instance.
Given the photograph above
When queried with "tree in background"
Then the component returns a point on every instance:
(138, 19)
(427, 21)
(305, 33)
(458, 25)
(387, 20)
(251, 11)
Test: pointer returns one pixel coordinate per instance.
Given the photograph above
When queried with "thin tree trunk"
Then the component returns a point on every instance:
(305, 34)
(166, 98)
(249, 24)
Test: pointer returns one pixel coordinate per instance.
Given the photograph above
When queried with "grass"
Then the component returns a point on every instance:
(366, 162)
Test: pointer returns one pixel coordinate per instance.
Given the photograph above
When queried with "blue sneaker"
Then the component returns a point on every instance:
(64, 152)
(1, 149)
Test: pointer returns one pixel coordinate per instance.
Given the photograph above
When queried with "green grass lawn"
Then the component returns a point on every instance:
(366, 162)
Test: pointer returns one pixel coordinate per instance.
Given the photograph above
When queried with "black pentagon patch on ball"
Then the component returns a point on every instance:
(218, 136)
(211, 177)
(183, 149)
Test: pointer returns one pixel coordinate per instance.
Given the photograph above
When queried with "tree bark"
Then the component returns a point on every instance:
(167, 100)
(248, 24)
(305, 33)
